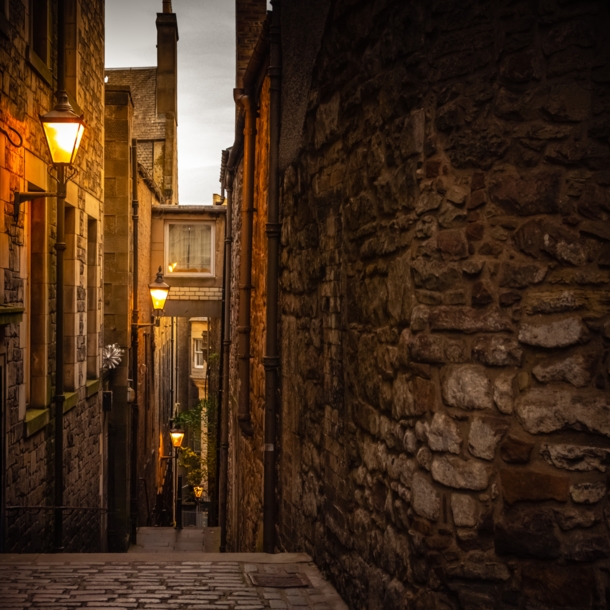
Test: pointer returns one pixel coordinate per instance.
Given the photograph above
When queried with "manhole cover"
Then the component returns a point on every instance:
(277, 581)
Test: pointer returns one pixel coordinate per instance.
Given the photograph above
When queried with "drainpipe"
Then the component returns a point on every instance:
(245, 266)
(60, 247)
(226, 346)
(271, 359)
(135, 314)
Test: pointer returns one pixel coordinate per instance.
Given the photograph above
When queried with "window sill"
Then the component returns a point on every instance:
(11, 314)
(93, 387)
(35, 420)
(40, 67)
(70, 401)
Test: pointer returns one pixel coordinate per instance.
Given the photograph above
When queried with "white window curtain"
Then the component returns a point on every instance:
(190, 248)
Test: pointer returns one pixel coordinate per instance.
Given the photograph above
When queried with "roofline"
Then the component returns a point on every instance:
(170, 209)
(136, 68)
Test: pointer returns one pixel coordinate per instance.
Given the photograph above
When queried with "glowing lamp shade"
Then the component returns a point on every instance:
(63, 130)
(158, 292)
(176, 434)
(198, 491)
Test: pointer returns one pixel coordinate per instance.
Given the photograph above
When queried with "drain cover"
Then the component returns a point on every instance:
(279, 581)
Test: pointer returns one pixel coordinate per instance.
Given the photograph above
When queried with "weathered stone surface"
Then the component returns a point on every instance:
(540, 238)
(434, 275)
(579, 370)
(460, 474)
(466, 386)
(588, 493)
(528, 534)
(473, 266)
(476, 568)
(567, 102)
(465, 510)
(482, 294)
(544, 410)
(457, 195)
(429, 200)
(559, 333)
(519, 485)
(559, 586)
(485, 434)
(424, 458)
(516, 451)
(426, 500)
(452, 244)
(586, 546)
(444, 434)
(503, 393)
(425, 347)
(535, 193)
(515, 275)
(403, 404)
(575, 457)
(469, 320)
(497, 351)
(419, 318)
(569, 518)
(425, 395)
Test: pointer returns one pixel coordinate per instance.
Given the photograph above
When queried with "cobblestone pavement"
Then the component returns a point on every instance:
(171, 581)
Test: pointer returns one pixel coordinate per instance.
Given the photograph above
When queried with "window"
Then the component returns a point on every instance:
(39, 48)
(189, 248)
(4, 28)
(198, 353)
(40, 41)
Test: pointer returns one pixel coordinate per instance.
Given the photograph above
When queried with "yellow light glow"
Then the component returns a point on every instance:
(63, 139)
(198, 491)
(176, 435)
(158, 296)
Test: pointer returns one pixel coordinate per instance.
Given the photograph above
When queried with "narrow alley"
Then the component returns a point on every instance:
(305, 304)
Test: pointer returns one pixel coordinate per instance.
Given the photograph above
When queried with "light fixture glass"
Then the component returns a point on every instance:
(158, 292)
(176, 434)
(198, 491)
(63, 130)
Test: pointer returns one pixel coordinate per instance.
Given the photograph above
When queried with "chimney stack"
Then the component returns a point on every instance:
(249, 16)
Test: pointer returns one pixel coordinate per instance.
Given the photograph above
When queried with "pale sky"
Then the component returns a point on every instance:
(206, 77)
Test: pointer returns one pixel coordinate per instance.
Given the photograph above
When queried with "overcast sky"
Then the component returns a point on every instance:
(206, 77)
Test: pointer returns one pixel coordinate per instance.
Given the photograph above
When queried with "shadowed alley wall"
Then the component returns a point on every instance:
(444, 294)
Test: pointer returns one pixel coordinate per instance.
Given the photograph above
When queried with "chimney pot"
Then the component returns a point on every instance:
(167, 6)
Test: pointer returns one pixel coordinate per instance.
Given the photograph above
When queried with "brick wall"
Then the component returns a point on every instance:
(444, 276)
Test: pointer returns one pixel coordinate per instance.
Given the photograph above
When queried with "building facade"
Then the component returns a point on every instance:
(29, 68)
(443, 431)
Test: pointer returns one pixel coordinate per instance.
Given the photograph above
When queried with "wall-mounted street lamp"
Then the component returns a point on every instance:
(176, 434)
(158, 293)
(198, 491)
(63, 130)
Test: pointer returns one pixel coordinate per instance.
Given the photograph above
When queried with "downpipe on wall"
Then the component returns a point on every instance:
(245, 266)
(271, 359)
(226, 347)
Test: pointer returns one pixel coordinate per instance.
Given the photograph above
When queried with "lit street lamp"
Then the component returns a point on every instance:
(177, 435)
(158, 293)
(63, 130)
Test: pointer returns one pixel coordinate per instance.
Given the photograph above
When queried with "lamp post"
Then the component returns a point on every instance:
(63, 130)
(177, 435)
(198, 492)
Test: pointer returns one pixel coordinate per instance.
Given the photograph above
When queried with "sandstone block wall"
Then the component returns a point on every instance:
(445, 285)
(27, 348)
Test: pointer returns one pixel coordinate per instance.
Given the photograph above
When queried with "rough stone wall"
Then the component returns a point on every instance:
(246, 535)
(445, 411)
(29, 431)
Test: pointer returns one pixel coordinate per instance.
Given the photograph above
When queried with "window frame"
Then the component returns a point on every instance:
(195, 352)
(4, 18)
(201, 274)
(40, 65)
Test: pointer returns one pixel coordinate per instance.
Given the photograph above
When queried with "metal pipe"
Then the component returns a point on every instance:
(226, 346)
(135, 314)
(245, 265)
(271, 359)
(60, 248)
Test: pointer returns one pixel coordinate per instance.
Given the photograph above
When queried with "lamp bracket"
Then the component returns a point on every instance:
(27, 196)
